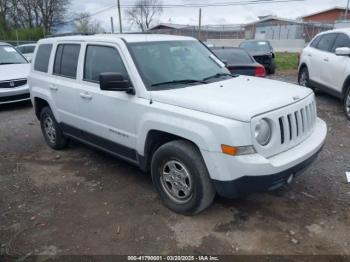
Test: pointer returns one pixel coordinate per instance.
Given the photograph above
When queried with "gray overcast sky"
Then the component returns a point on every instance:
(210, 15)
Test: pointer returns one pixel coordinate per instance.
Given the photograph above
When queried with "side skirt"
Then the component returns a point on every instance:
(128, 154)
(326, 89)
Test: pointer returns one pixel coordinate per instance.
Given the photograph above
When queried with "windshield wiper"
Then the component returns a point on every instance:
(218, 75)
(183, 81)
(7, 63)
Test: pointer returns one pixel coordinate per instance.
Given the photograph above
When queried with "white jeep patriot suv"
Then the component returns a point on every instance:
(169, 105)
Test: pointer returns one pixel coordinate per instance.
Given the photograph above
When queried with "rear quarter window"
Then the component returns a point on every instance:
(42, 58)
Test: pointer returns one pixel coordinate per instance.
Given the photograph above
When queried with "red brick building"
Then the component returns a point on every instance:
(326, 16)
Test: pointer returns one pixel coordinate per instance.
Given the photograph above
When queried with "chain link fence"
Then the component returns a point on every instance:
(277, 31)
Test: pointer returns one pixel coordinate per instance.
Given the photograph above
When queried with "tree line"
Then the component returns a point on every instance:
(31, 14)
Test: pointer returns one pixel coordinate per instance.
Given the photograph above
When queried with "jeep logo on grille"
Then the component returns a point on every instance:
(12, 84)
(295, 98)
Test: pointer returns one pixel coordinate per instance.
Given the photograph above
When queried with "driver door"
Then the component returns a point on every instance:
(109, 117)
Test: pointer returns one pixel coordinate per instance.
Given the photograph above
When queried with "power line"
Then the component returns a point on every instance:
(191, 5)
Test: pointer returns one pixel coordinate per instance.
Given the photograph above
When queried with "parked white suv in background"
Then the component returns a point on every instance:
(168, 105)
(325, 64)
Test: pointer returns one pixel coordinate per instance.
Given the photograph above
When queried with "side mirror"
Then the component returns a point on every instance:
(115, 82)
(342, 51)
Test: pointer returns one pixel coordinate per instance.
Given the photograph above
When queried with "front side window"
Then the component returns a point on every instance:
(102, 59)
(342, 40)
(326, 42)
(174, 61)
(9, 55)
(42, 58)
(66, 60)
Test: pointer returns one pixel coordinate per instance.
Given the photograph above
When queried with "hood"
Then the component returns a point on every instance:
(15, 71)
(239, 98)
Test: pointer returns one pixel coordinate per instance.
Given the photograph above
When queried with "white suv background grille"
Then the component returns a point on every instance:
(291, 125)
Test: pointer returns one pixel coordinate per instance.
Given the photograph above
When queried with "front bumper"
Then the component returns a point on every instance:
(240, 175)
(253, 184)
(16, 94)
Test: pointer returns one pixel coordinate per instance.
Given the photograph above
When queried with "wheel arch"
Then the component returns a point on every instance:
(155, 138)
(345, 87)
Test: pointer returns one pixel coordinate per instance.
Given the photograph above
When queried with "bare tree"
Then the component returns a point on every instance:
(144, 13)
(85, 25)
(52, 12)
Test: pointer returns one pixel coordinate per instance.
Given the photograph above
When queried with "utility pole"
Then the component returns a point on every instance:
(199, 23)
(347, 10)
(112, 25)
(120, 18)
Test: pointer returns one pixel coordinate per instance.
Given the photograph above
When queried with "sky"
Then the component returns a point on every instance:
(237, 14)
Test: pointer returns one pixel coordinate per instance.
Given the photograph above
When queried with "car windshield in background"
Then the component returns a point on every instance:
(256, 46)
(233, 56)
(173, 64)
(9, 55)
(27, 49)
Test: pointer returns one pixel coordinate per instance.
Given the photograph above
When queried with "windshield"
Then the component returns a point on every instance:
(175, 63)
(233, 56)
(256, 46)
(9, 55)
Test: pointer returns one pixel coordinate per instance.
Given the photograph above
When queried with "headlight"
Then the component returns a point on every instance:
(263, 132)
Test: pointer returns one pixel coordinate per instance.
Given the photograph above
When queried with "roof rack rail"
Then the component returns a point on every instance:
(68, 34)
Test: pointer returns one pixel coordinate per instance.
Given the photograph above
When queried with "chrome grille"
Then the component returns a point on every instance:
(291, 125)
(296, 125)
(13, 83)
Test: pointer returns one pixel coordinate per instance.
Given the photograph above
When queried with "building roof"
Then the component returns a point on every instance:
(272, 17)
(130, 38)
(324, 11)
(169, 25)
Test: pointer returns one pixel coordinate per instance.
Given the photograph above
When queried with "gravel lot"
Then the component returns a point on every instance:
(82, 201)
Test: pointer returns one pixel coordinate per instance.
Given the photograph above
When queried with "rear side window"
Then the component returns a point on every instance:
(233, 56)
(342, 40)
(326, 42)
(102, 59)
(42, 58)
(66, 60)
(314, 43)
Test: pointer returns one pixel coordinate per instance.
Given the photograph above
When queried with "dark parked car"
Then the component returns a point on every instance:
(262, 52)
(239, 61)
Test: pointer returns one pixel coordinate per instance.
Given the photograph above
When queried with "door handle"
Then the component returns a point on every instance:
(53, 88)
(309, 55)
(326, 60)
(86, 96)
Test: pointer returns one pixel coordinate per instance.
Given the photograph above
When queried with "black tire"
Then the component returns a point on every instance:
(346, 103)
(272, 68)
(303, 78)
(51, 130)
(187, 159)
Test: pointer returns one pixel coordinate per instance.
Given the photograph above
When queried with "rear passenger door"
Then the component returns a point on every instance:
(109, 116)
(65, 88)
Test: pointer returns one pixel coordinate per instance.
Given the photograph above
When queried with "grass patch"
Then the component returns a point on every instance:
(286, 61)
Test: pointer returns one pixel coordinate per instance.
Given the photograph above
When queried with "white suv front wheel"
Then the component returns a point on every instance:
(181, 178)
(347, 103)
(303, 77)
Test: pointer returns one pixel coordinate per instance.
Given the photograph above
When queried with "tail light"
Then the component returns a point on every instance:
(260, 71)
